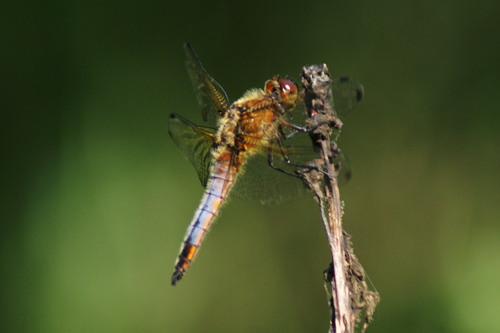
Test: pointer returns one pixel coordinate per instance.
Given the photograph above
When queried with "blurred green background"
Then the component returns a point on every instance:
(96, 198)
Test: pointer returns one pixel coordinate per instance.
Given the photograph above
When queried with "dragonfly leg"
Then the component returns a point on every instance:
(289, 162)
(271, 164)
(307, 129)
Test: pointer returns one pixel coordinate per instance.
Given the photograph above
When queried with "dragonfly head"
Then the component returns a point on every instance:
(284, 90)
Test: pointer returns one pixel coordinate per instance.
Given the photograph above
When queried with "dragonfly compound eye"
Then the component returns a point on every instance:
(288, 91)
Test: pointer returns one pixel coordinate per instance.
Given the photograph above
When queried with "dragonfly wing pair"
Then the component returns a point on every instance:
(258, 182)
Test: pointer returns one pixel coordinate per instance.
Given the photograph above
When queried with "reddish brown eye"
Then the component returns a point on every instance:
(288, 85)
(288, 92)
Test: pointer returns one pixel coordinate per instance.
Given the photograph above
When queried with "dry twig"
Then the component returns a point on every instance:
(349, 292)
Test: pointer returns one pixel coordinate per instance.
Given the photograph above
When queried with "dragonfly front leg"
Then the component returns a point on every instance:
(336, 123)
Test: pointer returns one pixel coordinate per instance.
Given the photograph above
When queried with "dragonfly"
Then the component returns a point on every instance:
(249, 148)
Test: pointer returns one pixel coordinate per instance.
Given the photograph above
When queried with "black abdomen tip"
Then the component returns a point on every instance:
(179, 272)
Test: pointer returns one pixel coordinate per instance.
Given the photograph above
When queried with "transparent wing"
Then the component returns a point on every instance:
(211, 97)
(347, 93)
(195, 142)
(262, 183)
(345, 172)
(258, 182)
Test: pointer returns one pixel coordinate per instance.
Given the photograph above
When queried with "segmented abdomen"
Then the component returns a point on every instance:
(223, 175)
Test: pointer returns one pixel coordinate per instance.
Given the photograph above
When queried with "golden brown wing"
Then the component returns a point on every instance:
(195, 142)
(211, 97)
